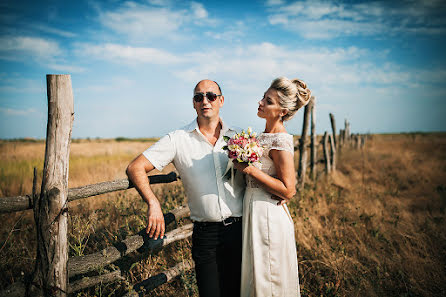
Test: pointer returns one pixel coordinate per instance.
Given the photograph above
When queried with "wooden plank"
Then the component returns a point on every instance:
(161, 278)
(18, 289)
(84, 264)
(87, 282)
(13, 204)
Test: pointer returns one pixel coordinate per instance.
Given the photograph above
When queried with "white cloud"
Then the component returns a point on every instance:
(112, 84)
(140, 21)
(324, 29)
(14, 83)
(17, 112)
(160, 2)
(198, 10)
(326, 68)
(55, 31)
(324, 19)
(354, 75)
(13, 47)
(156, 19)
(66, 68)
(230, 33)
(127, 54)
(274, 2)
(322, 68)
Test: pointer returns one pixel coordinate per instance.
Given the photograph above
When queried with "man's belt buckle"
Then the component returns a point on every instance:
(229, 222)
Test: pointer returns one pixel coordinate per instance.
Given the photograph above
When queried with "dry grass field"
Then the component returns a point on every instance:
(376, 227)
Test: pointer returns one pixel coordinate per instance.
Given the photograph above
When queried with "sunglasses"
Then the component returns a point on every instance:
(198, 97)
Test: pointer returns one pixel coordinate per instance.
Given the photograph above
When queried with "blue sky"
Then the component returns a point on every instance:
(133, 64)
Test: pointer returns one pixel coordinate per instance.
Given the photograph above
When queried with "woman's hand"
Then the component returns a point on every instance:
(242, 167)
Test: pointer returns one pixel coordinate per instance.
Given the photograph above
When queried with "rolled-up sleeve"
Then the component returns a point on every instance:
(161, 153)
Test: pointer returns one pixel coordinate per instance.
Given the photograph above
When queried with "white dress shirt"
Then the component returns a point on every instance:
(203, 168)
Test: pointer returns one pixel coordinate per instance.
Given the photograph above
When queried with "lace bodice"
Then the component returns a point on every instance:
(269, 141)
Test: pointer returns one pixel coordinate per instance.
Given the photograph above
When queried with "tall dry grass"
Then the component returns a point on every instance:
(376, 227)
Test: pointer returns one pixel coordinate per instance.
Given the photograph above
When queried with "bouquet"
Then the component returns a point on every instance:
(243, 147)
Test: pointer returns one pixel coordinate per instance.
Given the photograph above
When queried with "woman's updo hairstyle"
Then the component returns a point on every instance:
(293, 94)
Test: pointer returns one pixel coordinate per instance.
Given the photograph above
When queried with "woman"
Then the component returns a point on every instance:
(269, 263)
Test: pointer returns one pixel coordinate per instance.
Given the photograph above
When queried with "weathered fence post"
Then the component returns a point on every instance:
(363, 137)
(326, 155)
(50, 210)
(303, 145)
(347, 132)
(358, 141)
(313, 150)
(333, 129)
(341, 138)
(332, 152)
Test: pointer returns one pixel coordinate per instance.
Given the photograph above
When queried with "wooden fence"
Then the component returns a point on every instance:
(331, 144)
(53, 269)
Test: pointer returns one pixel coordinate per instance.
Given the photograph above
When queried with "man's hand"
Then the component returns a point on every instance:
(281, 200)
(155, 222)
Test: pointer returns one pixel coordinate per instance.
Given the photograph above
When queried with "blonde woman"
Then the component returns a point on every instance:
(269, 261)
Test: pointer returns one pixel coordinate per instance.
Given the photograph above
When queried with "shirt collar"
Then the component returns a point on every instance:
(194, 126)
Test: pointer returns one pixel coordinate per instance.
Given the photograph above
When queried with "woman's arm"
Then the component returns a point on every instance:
(284, 186)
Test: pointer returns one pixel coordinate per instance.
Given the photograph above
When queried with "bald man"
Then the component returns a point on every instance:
(215, 203)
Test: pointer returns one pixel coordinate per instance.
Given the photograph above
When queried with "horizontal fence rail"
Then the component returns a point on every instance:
(18, 203)
(161, 278)
(141, 241)
(87, 282)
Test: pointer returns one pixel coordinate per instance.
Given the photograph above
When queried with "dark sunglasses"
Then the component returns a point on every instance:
(198, 97)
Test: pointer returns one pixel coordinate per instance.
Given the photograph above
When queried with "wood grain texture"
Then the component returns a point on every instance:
(326, 154)
(91, 262)
(13, 204)
(50, 209)
(303, 145)
(161, 278)
(313, 144)
(333, 129)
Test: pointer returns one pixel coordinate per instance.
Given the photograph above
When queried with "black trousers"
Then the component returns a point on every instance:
(217, 252)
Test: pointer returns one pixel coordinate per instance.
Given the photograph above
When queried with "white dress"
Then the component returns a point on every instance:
(269, 261)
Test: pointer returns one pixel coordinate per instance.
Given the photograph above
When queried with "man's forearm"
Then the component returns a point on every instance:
(142, 185)
(137, 173)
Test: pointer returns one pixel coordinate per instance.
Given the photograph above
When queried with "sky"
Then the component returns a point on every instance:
(134, 64)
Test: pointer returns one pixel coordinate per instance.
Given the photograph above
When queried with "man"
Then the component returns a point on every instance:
(215, 202)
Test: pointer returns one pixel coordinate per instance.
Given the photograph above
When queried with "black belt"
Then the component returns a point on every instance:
(225, 222)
